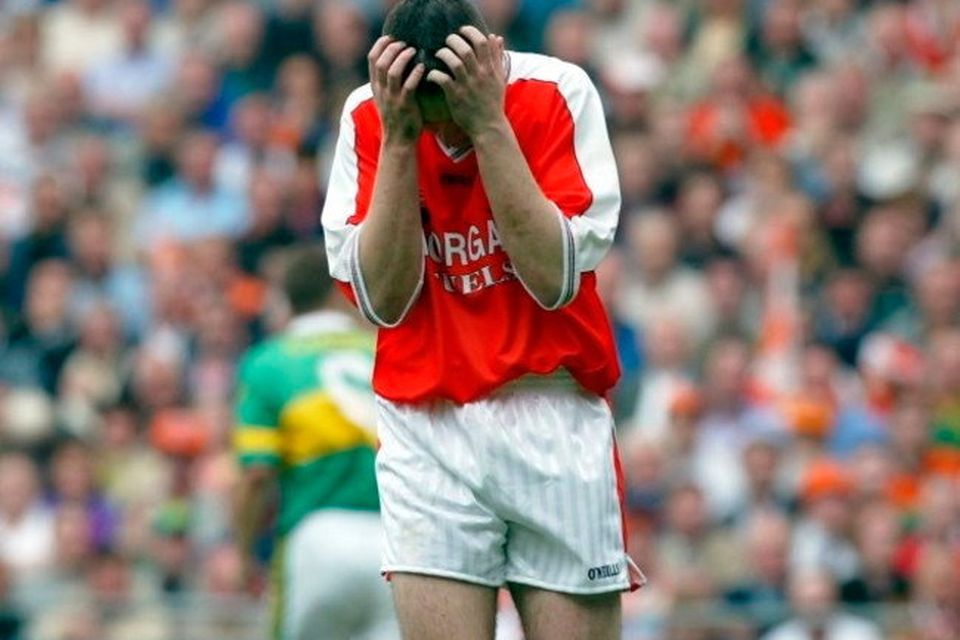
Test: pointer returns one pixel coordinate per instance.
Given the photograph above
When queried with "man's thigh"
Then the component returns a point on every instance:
(430, 607)
(547, 615)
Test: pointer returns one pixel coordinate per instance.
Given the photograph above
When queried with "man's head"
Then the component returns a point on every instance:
(307, 282)
(425, 25)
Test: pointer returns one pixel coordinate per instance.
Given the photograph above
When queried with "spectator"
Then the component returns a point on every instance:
(813, 599)
(26, 525)
(763, 592)
(121, 86)
(192, 206)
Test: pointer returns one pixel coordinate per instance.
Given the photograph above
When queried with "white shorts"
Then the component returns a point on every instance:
(521, 487)
(330, 585)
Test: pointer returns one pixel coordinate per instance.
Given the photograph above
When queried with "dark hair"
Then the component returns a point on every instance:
(307, 281)
(425, 25)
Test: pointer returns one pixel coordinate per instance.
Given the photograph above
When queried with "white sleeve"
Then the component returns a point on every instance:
(590, 234)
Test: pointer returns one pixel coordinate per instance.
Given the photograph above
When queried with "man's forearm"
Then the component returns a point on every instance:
(391, 238)
(528, 223)
(250, 508)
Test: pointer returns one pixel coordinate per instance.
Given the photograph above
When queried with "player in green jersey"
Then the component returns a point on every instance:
(305, 425)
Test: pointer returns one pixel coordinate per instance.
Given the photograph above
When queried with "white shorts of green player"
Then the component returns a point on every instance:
(330, 585)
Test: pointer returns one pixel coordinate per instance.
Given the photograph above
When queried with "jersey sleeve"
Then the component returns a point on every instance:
(256, 437)
(576, 170)
(349, 192)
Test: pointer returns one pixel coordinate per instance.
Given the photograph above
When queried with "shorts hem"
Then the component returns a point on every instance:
(577, 591)
(441, 573)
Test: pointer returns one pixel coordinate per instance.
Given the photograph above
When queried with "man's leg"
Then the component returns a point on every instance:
(547, 615)
(431, 608)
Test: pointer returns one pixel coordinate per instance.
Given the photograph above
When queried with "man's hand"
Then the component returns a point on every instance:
(399, 113)
(475, 92)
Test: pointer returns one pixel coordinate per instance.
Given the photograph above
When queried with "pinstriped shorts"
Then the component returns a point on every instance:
(521, 487)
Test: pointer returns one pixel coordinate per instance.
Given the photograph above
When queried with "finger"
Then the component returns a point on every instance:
(440, 79)
(413, 80)
(375, 51)
(395, 73)
(453, 62)
(463, 50)
(386, 59)
(479, 42)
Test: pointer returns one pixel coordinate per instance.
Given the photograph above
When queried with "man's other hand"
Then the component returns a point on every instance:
(475, 93)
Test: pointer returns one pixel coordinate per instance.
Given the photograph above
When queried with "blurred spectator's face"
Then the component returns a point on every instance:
(882, 244)
(41, 117)
(653, 243)
(878, 534)
(726, 284)
(938, 295)
(817, 369)
(72, 474)
(342, 32)
(849, 297)
(196, 161)
(813, 596)
(939, 507)
(643, 464)
(119, 428)
(135, 18)
(569, 36)
(725, 373)
(832, 512)
(781, 25)
(886, 31)
(699, 199)
(161, 128)
(760, 462)
(299, 78)
(636, 165)
(836, 9)
(48, 207)
(92, 163)
(197, 82)
(768, 546)
(663, 32)
(498, 13)
(73, 531)
(90, 244)
(666, 343)
(18, 486)
(872, 470)
(48, 291)
(242, 25)
(157, 381)
(853, 89)
(251, 121)
(686, 512)
(945, 362)
(731, 79)
(100, 331)
(266, 202)
(908, 428)
(109, 581)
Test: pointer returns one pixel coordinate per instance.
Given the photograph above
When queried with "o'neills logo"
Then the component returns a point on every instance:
(452, 252)
(605, 571)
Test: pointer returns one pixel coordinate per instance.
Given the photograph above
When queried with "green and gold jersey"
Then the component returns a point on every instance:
(305, 406)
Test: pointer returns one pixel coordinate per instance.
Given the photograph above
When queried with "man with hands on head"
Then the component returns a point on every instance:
(472, 195)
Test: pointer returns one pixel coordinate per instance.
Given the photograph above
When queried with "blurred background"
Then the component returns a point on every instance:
(785, 291)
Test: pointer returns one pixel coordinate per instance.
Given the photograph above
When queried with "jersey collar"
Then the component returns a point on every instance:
(320, 322)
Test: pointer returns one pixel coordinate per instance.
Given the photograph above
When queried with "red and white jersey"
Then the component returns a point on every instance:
(471, 325)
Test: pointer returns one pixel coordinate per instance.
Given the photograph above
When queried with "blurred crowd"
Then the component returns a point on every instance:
(785, 291)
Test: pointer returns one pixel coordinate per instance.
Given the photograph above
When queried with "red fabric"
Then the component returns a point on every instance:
(474, 326)
(767, 121)
(636, 579)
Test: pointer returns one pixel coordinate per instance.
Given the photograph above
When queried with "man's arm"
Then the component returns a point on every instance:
(390, 246)
(531, 228)
(252, 502)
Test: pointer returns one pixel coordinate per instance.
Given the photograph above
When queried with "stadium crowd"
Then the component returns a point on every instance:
(785, 289)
